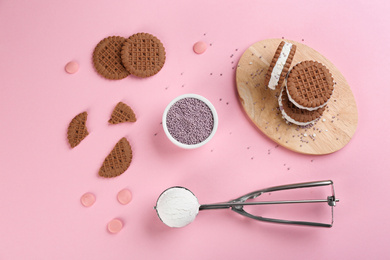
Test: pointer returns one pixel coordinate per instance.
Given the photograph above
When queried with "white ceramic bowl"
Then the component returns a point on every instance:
(190, 146)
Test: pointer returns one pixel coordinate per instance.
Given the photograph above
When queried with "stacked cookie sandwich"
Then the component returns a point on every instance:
(305, 92)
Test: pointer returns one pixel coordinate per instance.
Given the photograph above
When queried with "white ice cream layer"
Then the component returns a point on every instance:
(278, 68)
(302, 107)
(287, 117)
(177, 207)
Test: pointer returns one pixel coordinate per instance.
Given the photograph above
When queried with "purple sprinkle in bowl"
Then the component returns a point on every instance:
(200, 117)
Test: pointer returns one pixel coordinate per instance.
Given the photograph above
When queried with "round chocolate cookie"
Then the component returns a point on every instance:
(143, 55)
(279, 66)
(309, 85)
(296, 115)
(107, 58)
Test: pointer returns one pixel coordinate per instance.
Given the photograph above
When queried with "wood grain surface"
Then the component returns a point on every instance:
(329, 134)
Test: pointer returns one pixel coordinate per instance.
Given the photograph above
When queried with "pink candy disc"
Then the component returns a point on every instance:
(72, 67)
(124, 196)
(88, 199)
(200, 47)
(114, 226)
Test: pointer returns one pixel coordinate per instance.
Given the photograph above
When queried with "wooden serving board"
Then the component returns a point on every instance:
(331, 133)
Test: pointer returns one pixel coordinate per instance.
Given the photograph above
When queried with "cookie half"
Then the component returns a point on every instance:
(143, 55)
(309, 85)
(296, 115)
(122, 113)
(118, 161)
(77, 129)
(107, 58)
(280, 65)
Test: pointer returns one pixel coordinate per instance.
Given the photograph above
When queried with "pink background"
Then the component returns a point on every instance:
(42, 179)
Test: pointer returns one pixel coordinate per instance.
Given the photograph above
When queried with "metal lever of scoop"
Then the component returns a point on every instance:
(238, 204)
(224, 205)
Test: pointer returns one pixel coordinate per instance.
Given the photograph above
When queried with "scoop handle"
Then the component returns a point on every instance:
(225, 205)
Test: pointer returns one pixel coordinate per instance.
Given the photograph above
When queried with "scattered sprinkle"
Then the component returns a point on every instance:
(114, 226)
(124, 196)
(72, 67)
(200, 47)
(88, 199)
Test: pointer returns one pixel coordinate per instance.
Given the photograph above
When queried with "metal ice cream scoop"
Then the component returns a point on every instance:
(178, 206)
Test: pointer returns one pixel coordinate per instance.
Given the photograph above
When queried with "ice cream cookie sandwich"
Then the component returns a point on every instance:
(295, 115)
(309, 85)
(280, 65)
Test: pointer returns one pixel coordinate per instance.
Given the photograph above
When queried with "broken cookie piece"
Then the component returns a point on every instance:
(122, 113)
(77, 129)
